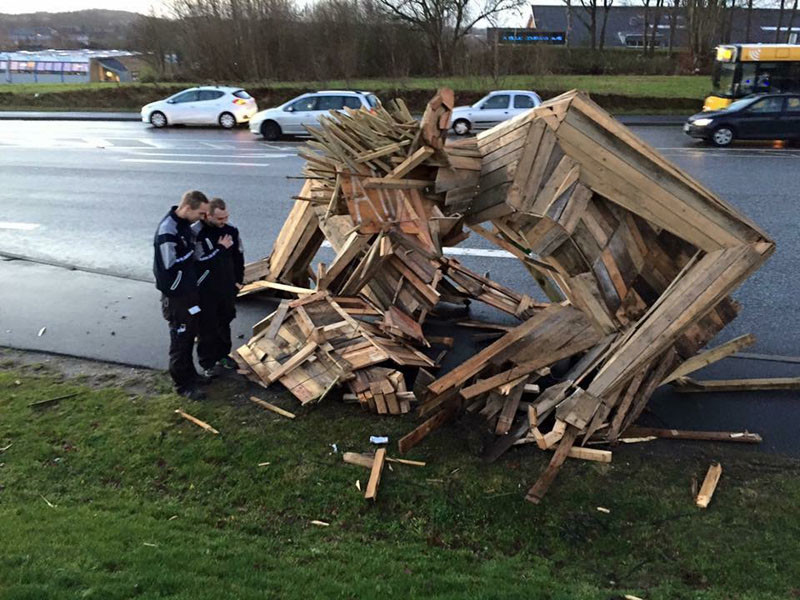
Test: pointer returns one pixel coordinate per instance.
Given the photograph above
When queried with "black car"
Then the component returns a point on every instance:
(763, 117)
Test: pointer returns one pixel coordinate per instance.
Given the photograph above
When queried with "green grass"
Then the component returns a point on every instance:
(660, 86)
(147, 505)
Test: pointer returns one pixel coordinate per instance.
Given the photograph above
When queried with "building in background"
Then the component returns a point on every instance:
(558, 24)
(69, 66)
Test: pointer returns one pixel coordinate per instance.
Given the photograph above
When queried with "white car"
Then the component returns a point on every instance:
(291, 117)
(207, 105)
(492, 109)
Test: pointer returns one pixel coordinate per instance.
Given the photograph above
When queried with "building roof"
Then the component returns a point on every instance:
(78, 56)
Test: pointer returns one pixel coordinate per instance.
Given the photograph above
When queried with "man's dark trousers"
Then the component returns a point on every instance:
(214, 335)
(183, 328)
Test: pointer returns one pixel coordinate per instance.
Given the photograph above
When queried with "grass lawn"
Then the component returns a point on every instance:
(109, 494)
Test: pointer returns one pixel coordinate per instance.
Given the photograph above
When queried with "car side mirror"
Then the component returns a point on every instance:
(170, 101)
(289, 109)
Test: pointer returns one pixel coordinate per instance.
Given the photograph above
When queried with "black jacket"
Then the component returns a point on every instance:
(218, 269)
(173, 263)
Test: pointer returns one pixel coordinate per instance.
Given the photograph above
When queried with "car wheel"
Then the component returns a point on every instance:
(158, 119)
(722, 136)
(271, 130)
(461, 127)
(227, 120)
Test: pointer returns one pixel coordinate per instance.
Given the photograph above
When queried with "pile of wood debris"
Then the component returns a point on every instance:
(636, 258)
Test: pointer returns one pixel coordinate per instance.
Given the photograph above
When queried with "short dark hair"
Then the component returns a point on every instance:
(193, 199)
(216, 204)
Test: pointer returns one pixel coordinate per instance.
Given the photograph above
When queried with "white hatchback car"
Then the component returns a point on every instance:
(207, 105)
(291, 117)
(492, 109)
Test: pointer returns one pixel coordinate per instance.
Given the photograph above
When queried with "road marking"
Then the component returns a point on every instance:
(194, 162)
(145, 142)
(213, 146)
(484, 252)
(19, 226)
(96, 141)
(262, 154)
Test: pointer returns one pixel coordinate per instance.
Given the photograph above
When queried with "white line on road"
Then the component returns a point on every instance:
(19, 226)
(260, 155)
(213, 146)
(194, 162)
(484, 252)
(98, 142)
(146, 142)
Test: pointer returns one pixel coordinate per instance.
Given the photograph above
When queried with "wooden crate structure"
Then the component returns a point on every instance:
(637, 259)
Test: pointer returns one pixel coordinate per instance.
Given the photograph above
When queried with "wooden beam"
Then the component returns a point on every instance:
(196, 421)
(697, 362)
(420, 433)
(276, 409)
(742, 437)
(375, 475)
(709, 485)
(688, 385)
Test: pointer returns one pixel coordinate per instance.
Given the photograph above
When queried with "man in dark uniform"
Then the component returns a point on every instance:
(174, 270)
(219, 262)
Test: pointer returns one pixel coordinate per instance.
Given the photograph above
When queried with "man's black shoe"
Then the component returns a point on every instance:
(191, 393)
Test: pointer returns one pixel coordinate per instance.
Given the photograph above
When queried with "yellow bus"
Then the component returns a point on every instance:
(744, 69)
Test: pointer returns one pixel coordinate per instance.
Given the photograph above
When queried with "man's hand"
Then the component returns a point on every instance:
(226, 241)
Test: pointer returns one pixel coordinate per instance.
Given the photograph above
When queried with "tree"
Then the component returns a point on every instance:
(445, 23)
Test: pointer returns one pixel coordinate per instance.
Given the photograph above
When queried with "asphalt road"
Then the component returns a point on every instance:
(89, 195)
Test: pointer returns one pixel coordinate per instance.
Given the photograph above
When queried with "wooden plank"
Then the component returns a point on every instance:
(740, 437)
(296, 359)
(709, 485)
(413, 438)
(708, 357)
(539, 489)
(272, 407)
(510, 408)
(196, 421)
(261, 285)
(688, 385)
(410, 163)
(375, 475)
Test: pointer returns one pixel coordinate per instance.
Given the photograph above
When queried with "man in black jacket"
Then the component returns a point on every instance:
(219, 262)
(174, 270)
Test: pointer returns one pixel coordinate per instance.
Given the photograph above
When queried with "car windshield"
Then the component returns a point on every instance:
(739, 104)
(373, 101)
(242, 94)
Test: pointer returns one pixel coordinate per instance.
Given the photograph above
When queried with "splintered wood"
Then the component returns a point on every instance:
(636, 259)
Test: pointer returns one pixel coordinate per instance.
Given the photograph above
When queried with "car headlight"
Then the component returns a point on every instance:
(702, 122)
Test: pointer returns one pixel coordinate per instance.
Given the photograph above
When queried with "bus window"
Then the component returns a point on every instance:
(724, 78)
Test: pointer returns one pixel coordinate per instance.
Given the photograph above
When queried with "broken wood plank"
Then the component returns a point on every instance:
(413, 438)
(688, 385)
(742, 437)
(375, 475)
(276, 409)
(704, 359)
(196, 421)
(709, 485)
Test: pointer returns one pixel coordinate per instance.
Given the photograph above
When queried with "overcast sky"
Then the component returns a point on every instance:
(144, 7)
(29, 6)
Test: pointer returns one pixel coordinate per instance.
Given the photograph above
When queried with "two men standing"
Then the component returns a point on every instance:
(198, 267)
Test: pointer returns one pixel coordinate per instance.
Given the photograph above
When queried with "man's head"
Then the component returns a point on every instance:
(217, 213)
(193, 206)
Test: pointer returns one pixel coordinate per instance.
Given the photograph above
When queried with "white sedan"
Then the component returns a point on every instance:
(492, 109)
(207, 105)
